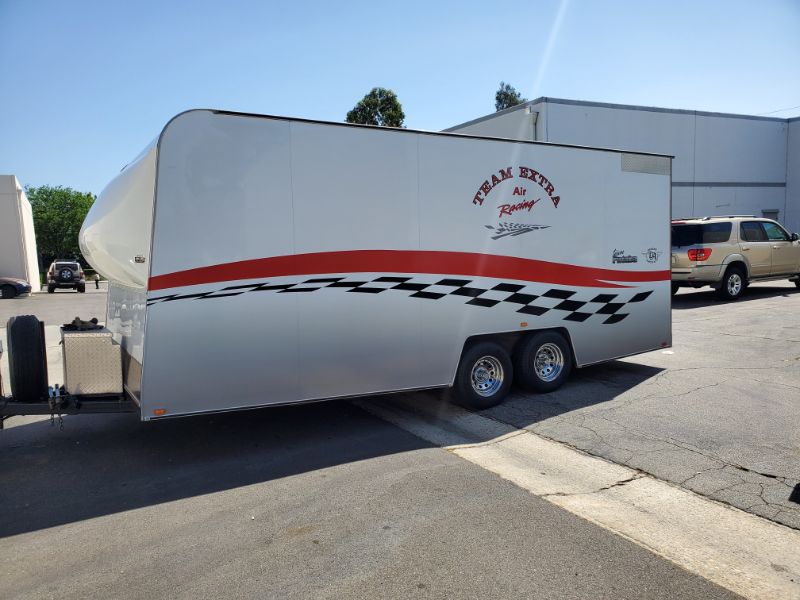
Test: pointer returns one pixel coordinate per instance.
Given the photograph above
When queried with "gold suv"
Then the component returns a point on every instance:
(728, 253)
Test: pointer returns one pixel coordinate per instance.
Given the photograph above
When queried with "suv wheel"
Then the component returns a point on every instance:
(733, 284)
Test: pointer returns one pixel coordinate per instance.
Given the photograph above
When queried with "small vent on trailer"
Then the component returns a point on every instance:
(638, 163)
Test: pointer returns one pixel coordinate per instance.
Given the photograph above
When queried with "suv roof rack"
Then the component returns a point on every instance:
(730, 217)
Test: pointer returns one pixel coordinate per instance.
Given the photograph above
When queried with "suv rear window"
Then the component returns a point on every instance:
(692, 234)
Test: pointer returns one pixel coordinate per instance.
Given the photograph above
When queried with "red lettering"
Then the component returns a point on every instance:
(507, 173)
(509, 209)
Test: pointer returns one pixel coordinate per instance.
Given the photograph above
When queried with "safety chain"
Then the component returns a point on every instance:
(54, 394)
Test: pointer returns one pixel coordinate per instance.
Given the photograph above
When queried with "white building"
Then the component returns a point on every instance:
(18, 256)
(724, 164)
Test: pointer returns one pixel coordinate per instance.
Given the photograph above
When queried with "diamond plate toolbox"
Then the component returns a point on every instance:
(92, 362)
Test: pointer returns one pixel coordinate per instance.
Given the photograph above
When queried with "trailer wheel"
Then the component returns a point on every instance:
(543, 361)
(484, 376)
(8, 292)
(26, 359)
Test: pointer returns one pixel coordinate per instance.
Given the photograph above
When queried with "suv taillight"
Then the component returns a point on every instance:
(699, 254)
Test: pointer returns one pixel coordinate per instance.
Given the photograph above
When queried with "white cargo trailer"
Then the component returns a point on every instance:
(18, 257)
(257, 260)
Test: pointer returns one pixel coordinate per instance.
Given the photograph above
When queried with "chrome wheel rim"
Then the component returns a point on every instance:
(734, 284)
(549, 362)
(486, 376)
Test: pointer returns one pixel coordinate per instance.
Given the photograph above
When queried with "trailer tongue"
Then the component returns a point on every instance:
(92, 371)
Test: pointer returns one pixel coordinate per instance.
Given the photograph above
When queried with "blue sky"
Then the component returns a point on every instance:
(86, 84)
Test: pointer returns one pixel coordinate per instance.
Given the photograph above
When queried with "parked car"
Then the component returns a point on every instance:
(11, 287)
(65, 274)
(728, 253)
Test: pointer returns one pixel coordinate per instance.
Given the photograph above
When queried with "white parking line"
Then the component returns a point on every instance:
(748, 555)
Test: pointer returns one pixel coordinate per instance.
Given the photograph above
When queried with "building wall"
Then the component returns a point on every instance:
(724, 164)
(793, 176)
(18, 256)
(517, 123)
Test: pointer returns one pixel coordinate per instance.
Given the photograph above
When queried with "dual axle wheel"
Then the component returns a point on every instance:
(541, 363)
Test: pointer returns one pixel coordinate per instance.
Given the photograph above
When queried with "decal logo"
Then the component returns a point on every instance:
(522, 173)
(652, 254)
(619, 256)
(504, 229)
(519, 201)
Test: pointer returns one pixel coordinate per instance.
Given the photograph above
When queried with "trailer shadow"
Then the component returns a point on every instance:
(105, 464)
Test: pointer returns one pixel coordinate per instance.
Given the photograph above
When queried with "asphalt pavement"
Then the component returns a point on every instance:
(314, 501)
(718, 413)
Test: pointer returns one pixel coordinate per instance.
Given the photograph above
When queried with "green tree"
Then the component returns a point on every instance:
(58, 214)
(506, 97)
(379, 107)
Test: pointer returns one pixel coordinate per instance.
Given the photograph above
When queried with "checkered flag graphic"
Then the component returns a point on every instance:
(504, 229)
(609, 307)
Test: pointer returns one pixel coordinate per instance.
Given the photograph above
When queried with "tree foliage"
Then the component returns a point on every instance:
(58, 214)
(379, 107)
(506, 97)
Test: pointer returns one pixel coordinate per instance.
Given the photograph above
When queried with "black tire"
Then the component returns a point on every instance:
(51, 289)
(797, 283)
(491, 365)
(675, 288)
(81, 287)
(8, 292)
(555, 361)
(733, 284)
(26, 359)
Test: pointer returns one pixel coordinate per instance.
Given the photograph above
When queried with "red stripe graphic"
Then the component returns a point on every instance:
(408, 261)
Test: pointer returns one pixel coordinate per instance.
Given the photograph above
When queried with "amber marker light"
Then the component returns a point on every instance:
(523, 324)
(159, 411)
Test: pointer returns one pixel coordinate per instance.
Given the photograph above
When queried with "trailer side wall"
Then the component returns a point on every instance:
(297, 261)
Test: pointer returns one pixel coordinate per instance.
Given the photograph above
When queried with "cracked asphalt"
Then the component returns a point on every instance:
(718, 413)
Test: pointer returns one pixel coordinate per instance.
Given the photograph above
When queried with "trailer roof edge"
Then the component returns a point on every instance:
(415, 131)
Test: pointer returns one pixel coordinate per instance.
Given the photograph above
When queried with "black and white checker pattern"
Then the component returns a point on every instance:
(606, 306)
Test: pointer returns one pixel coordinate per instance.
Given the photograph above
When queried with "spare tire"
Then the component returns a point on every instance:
(26, 359)
(65, 274)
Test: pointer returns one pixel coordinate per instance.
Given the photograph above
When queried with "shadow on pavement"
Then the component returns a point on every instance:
(586, 387)
(707, 296)
(103, 464)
